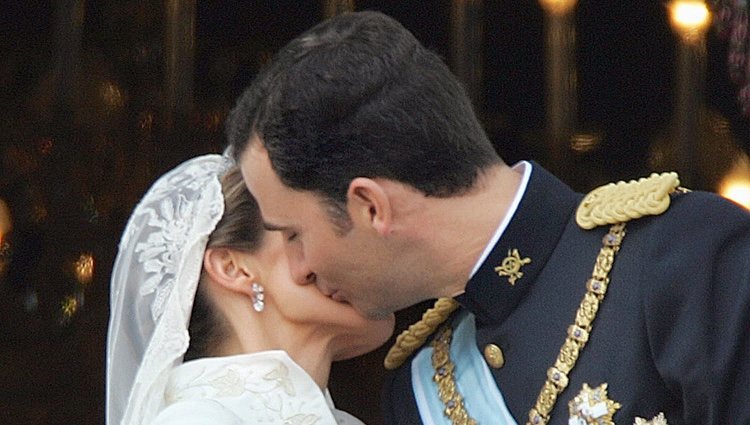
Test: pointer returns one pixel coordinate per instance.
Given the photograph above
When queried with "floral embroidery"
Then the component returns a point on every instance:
(158, 252)
(269, 391)
(281, 376)
(163, 243)
(229, 384)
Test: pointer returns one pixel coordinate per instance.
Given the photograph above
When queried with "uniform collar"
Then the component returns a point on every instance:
(542, 215)
(524, 167)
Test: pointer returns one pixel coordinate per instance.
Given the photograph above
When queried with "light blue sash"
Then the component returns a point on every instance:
(482, 398)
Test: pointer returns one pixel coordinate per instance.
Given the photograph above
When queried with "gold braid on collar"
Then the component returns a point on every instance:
(413, 338)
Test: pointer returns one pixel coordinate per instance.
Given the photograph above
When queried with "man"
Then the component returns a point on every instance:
(628, 306)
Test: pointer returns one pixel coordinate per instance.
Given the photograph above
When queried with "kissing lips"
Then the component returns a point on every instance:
(337, 296)
(333, 294)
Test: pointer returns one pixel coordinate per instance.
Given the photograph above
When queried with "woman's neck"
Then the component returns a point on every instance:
(307, 347)
(315, 359)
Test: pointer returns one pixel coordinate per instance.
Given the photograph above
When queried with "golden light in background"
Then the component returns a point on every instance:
(585, 142)
(736, 184)
(84, 268)
(145, 120)
(6, 222)
(558, 7)
(738, 191)
(213, 120)
(111, 94)
(561, 83)
(689, 18)
(69, 307)
(332, 8)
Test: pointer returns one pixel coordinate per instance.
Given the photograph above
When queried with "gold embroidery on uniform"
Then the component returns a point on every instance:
(592, 407)
(623, 201)
(447, 391)
(578, 333)
(656, 420)
(511, 266)
(557, 376)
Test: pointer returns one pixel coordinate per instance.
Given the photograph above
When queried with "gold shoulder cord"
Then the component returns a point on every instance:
(413, 338)
(623, 201)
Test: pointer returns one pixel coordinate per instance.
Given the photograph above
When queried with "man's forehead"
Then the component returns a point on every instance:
(254, 150)
(258, 178)
(255, 167)
(271, 194)
(277, 201)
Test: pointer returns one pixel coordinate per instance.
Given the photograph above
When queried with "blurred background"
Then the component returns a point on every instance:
(99, 98)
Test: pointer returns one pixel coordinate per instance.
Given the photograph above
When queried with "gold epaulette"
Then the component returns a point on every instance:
(411, 339)
(624, 201)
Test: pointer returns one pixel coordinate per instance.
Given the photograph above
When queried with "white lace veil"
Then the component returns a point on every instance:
(154, 279)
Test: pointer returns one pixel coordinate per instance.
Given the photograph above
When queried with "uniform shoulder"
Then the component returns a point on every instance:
(708, 208)
(624, 201)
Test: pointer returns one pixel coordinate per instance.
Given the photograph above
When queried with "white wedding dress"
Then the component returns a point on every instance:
(259, 388)
(154, 280)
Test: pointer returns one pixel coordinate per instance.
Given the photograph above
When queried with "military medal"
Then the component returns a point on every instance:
(656, 420)
(592, 407)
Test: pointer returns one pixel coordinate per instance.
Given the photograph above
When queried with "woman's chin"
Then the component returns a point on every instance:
(370, 339)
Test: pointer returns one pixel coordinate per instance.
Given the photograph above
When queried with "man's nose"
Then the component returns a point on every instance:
(301, 273)
(303, 276)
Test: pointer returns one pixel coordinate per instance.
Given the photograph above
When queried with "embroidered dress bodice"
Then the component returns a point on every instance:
(259, 388)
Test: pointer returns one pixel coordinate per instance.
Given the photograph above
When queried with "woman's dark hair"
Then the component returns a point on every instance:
(240, 228)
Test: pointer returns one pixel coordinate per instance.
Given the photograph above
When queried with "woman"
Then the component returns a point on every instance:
(207, 325)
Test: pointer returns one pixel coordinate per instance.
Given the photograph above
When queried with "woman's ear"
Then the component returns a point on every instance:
(368, 203)
(224, 266)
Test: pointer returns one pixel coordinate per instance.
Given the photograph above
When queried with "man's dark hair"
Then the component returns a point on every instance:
(358, 96)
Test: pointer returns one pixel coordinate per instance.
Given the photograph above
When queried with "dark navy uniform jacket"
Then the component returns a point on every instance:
(671, 336)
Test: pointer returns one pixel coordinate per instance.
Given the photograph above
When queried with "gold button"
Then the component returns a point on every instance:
(494, 356)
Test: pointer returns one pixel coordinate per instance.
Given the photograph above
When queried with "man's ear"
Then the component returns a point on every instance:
(224, 267)
(368, 203)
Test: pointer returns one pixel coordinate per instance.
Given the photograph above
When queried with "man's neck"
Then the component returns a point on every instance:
(462, 226)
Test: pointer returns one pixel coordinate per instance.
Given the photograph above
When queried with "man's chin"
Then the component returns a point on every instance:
(375, 314)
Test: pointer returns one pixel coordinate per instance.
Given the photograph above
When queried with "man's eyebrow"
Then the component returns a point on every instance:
(273, 227)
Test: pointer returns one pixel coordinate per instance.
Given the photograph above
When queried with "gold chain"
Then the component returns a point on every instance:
(447, 390)
(578, 333)
(557, 375)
